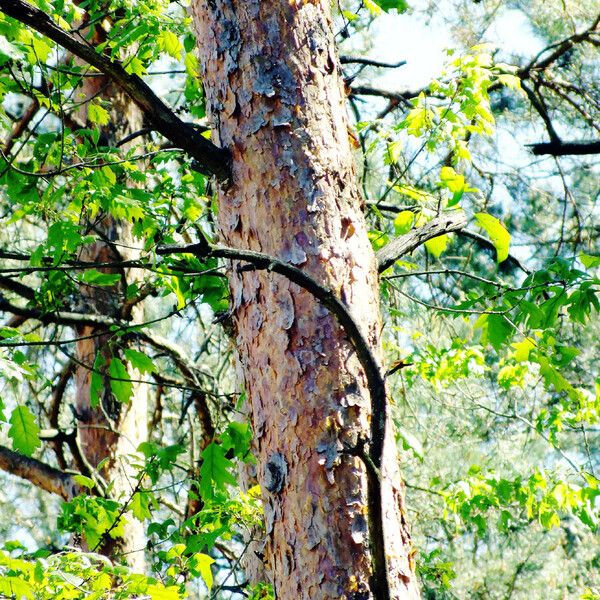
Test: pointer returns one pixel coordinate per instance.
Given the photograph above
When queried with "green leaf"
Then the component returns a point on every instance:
(84, 481)
(200, 564)
(215, 470)
(237, 436)
(140, 361)
(15, 587)
(140, 506)
(24, 431)
(168, 42)
(589, 261)
(437, 245)
(523, 349)
(498, 330)
(159, 592)
(498, 234)
(403, 222)
(387, 5)
(120, 382)
(94, 277)
(97, 114)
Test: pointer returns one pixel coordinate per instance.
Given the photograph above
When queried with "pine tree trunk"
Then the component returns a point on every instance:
(275, 95)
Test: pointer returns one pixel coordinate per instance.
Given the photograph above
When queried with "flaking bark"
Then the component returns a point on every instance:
(274, 92)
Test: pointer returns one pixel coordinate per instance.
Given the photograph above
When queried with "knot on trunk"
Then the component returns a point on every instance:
(276, 471)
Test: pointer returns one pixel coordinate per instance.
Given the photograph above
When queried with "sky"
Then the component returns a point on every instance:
(422, 42)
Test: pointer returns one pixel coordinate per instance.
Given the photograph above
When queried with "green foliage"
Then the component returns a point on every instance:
(73, 575)
(24, 431)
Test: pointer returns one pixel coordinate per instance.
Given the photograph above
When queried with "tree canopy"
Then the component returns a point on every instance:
(479, 187)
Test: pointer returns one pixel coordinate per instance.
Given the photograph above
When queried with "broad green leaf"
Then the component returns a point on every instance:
(15, 587)
(200, 564)
(94, 277)
(98, 114)
(140, 506)
(139, 361)
(120, 380)
(168, 42)
(404, 222)
(510, 81)
(215, 471)
(84, 481)
(393, 152)
(498, 234)
(522, 349)
(237, 436)
(24, 431)
(387, 5)
(589, 261)
(437, 245)
(159, 592)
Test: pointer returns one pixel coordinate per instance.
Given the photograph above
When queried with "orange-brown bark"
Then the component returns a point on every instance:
(273, 89)
(111, 430)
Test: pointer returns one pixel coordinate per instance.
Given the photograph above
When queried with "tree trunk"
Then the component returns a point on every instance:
(111, 430)
(275, 95)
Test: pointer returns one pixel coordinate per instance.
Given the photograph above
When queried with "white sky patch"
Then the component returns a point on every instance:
(512, 33)
(410, 38)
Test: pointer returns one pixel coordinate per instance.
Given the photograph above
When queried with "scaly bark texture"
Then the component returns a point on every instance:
(274, 92)
(111, 430)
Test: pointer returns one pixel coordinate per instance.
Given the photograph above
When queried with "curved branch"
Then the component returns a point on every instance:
(489, 245)
(410, 241)
(209, 158)
(373, 373)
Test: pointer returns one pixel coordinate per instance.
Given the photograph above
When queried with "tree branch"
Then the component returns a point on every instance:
(410, 241)
(209, 158)
(38, 473)
(7, 283)
(560, 148)
(489, 245)
(369, 62)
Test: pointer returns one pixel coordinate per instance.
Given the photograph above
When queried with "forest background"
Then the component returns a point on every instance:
(475, 128)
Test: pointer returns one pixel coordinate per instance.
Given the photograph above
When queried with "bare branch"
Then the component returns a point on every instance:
(369, 62)
(38, 473)
(560, 148)
(410, 241)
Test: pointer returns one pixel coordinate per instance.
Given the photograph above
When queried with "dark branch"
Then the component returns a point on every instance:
(484, 242)
(209, 158)
(365, 90)
(7, 283)
(558, 49)
(410, 241)
(559, 148)
(369, 62)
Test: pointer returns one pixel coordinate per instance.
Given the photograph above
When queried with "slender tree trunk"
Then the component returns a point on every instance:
(274, 92)
(111, 430)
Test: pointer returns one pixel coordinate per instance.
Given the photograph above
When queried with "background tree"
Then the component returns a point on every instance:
(488, 336)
